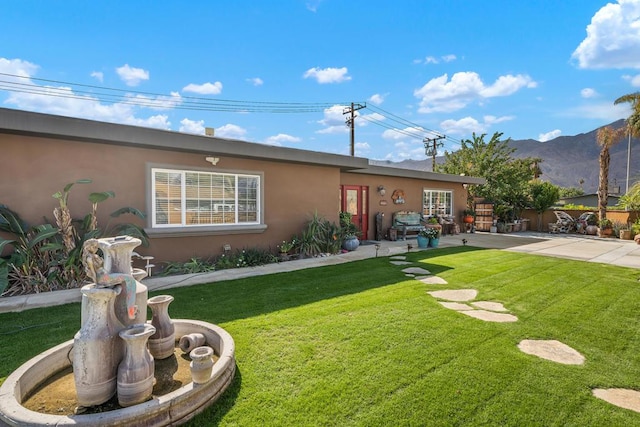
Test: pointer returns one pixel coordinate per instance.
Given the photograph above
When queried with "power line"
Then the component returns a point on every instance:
(84, 92)
(157, 100)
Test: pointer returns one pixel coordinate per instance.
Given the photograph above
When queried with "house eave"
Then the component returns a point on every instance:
(417, 174)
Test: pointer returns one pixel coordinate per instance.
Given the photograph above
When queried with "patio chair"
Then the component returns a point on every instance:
(564, 224)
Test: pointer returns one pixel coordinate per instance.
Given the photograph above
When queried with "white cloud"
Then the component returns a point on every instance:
(362, 148)
(17, 67)
(132, 76)
(402, 134)
(192, 126)
(98, 75)
(231, 131)
(281, 138)
(468, 125)
(613, 37)
(64, 101)
(634, 80)
(159, 102)
(464, 126)
(328, 75)
(204, 89)
(588, 92)
(312, 5)
(376, 99)
(604, 111)
(256, 81)
(435, 60)
(334, 121)
(443, 95)
(544, 137)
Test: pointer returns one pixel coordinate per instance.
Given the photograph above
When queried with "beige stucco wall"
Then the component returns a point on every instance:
(32, 169)
(413, 189)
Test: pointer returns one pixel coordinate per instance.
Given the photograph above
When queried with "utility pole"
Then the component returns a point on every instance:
(432, 150)
(352, 124)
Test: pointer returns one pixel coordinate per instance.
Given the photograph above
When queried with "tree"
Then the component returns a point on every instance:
(566, 192)
(633, 121)
(543, 196)
(507, 178)
(606, 138)
(631, 200)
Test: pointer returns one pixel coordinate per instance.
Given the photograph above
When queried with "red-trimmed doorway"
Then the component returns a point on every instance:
(355, 200)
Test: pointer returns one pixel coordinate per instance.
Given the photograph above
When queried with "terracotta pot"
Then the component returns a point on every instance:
(467, 219)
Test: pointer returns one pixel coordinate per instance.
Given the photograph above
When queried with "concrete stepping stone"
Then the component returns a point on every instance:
(621, 397)
(398, 258)
(552, 350)
(457, 306)
(401, 262)
(489, 305)
(433, 280)
(491, 316)
(459, 295)
(416, 270)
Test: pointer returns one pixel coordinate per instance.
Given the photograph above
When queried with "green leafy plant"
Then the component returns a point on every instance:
(605, 223)
(194, 265)
(46, 257)
(431, 233)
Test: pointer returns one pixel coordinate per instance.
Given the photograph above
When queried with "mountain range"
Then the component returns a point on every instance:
(567, 161)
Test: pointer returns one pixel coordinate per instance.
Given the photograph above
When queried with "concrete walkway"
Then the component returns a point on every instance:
(624, 253)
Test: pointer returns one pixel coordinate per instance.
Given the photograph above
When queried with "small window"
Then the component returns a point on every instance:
(437, 202)
(193, 198)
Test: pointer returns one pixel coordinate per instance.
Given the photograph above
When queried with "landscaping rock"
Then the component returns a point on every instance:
(490, 316)
(623, 398)
(552, 350)
(489, 305)
(460, 295)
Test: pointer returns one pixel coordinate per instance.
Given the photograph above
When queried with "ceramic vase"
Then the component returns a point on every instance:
(351, 243)
(162, 343)
(201, 364)
(97, 350)
(423, 241)
(190, 341)
(135, 372)
(433, 242)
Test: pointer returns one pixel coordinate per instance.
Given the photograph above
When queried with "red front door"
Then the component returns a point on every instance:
(355, 201)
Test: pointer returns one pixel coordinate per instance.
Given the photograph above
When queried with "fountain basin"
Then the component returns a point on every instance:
(173, 408)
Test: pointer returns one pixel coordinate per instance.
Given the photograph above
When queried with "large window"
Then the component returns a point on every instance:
(437, 202)
(191, 198)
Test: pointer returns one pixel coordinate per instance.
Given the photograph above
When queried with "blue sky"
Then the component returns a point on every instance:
(530, 69)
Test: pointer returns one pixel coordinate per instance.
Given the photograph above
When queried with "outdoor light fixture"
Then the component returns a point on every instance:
(213, 160)
(381, 190)
(465, 185)
(377, 248)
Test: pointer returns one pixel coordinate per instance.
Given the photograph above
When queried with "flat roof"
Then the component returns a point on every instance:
(19, 122)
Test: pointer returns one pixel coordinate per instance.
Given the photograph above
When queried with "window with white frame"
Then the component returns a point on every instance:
(437, 202)
(184, 198)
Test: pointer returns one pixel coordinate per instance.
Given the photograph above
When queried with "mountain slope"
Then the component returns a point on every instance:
(566, 160)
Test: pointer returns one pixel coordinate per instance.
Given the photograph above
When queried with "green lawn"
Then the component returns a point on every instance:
(361, 344)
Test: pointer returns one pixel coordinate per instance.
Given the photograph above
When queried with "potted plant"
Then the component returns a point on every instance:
(349, 232)
(285, 247)
(605, 227)
(468, 216)
(423, 237)
(434, 236)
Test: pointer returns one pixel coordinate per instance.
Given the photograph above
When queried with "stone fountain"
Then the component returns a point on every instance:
(113, 356)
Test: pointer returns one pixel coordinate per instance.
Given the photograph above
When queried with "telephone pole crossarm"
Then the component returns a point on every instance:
(351, 122)
(431, 148)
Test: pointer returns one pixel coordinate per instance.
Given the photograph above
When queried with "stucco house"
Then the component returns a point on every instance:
(202, 193)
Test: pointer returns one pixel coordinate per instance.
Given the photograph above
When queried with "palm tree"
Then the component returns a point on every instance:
(633, 121)
(606, 138)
